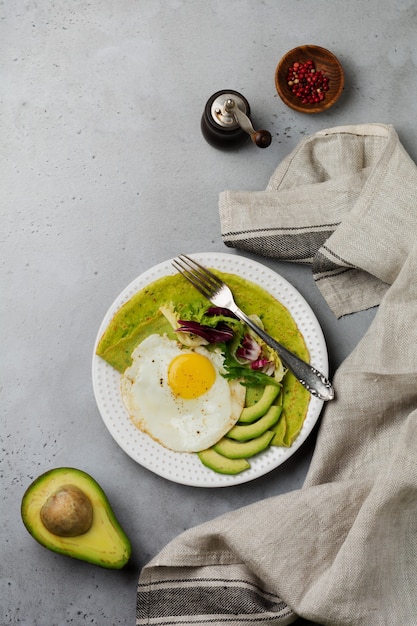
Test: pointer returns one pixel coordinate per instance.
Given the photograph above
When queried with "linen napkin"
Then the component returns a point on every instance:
(343, 201)
(342, 550)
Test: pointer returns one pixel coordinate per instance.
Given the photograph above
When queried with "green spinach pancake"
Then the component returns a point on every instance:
(167, 305)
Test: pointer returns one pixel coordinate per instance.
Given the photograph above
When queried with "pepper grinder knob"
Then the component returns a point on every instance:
(225, 121)
(262, 138)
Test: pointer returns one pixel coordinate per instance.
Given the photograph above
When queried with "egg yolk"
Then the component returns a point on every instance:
(190, 375)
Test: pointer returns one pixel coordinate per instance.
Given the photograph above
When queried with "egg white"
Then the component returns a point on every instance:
(182, 425)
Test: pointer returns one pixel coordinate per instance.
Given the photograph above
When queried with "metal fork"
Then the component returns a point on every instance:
(217, 292)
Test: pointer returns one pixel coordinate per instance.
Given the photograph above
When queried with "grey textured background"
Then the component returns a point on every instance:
(104, 173)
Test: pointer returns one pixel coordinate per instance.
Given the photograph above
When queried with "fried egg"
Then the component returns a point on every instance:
(178, 396)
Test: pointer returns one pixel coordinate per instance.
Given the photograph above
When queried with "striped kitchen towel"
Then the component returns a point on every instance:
(339, 201)
(342, 550)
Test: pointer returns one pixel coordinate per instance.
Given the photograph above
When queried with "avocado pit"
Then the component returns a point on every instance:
(67, 512)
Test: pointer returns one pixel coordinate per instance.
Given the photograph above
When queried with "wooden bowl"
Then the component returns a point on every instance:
(323, 61)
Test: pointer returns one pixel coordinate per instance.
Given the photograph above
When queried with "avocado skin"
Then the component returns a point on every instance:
(105, 544)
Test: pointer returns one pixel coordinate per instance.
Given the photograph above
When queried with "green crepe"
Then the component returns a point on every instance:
(140, 317)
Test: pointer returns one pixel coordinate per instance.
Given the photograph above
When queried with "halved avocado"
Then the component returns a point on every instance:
(67, 511)
(243, 449)
(245, 432)
(221, 464)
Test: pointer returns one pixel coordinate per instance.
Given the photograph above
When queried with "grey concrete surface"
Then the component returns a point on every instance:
(104, 173)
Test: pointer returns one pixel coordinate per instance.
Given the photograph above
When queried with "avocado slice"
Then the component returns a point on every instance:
(245, 432)
(220, 464)
(67, 511)
(251, 413)
(239, 449)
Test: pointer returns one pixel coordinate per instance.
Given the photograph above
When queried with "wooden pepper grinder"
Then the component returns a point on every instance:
(225, 121)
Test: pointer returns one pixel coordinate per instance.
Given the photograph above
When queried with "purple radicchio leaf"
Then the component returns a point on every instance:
(221, 334)
(218, 310)
(249, 349)
(265, 366)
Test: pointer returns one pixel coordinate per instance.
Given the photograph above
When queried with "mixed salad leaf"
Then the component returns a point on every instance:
(246, 357)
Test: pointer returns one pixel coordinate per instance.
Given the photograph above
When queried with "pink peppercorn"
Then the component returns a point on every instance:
(307, 83)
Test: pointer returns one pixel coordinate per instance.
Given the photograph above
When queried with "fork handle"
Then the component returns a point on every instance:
(313, 380)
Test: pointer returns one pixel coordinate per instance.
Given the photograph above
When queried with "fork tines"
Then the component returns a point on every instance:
(197, 275)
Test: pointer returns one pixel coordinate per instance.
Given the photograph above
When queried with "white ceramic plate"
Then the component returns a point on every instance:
(182, 467)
